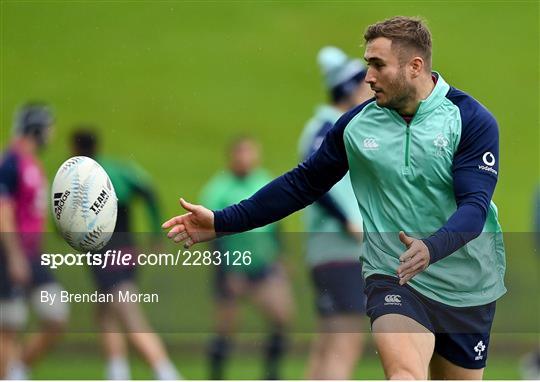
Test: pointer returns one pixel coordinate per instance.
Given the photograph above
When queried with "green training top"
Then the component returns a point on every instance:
(432, 177)
(130, 182)
(404, 178)
(226, 188)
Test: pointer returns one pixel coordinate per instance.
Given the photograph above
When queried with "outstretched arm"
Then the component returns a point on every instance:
(281, 197)
(290, 192)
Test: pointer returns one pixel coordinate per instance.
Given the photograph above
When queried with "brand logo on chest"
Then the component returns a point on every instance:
(371, 144)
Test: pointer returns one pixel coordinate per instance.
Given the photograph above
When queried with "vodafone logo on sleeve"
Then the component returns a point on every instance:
(488, 158)
(489, 161)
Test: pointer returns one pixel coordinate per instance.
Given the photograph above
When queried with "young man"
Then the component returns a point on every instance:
(23, 209)
(117, 318)
(334, 226)
(263, 280)
(423, 159)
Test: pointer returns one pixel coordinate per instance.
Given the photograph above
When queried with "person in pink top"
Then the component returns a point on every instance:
(23, 208)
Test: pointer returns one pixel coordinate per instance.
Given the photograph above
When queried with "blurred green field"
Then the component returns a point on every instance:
(243, 366)
(169, 83)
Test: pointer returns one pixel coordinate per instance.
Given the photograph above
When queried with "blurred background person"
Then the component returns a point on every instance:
(264, 280)
(530, 363)
(23, 208)
(118, 320)
(334, 227)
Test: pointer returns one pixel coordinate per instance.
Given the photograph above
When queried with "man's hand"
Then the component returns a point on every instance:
(19, 269)
(414, 260)
(194, 227)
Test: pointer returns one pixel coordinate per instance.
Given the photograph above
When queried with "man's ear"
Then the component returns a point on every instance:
(416, 66)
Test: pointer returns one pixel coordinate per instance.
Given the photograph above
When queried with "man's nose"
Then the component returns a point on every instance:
(370, 78)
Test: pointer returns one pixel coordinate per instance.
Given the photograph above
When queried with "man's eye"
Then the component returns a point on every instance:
(376, 65)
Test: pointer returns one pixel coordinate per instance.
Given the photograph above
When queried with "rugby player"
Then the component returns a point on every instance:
(23, 209)
(423, 158)
(263, 279)
(121, 320)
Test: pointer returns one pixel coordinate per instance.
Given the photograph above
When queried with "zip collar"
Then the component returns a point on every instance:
(426, 106)
(435, 99)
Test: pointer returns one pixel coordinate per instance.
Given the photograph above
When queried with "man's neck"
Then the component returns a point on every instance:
(422, 91)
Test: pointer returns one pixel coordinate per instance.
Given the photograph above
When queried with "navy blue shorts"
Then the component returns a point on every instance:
(461, 334)
(107, 279)
(221, 288)
(40, 275)
(339, 289)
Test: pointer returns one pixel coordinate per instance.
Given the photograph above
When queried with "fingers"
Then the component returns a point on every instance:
(189, 242)
(414, 260)
(405, 277)
(180, 237)
(175, 220)
(183, 236)
(410, 263)
(180, 218)
(408, 255)
(175, 230)
(187, 206)
(410, 258)
(412, 268)
(407, 240)
(178, 234)
(177, 224)
(413, 265)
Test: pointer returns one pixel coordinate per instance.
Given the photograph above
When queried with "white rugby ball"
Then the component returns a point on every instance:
(84, 204)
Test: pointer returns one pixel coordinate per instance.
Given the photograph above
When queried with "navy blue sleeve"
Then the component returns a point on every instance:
(326, 201)
(293, 190)
(8, 175)
(475, 171)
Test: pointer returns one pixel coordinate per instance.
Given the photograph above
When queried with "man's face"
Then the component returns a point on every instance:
(44, 137)
(244, 157)
(386, 75)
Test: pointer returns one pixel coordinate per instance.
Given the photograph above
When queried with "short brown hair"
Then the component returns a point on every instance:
(407, 32)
